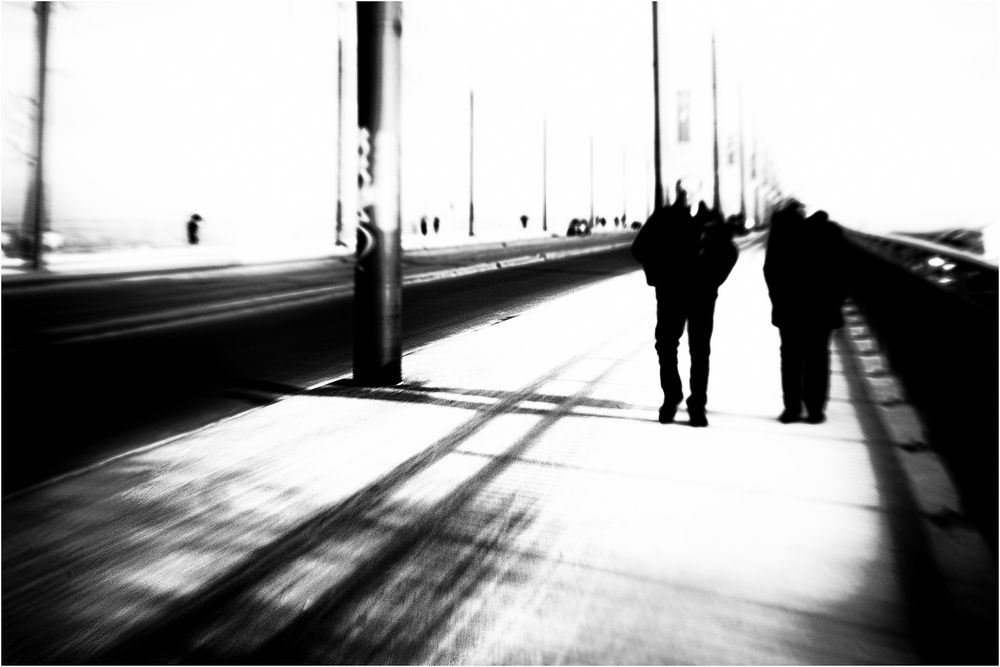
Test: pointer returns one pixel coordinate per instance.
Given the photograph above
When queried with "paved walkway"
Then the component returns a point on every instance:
(515, 501)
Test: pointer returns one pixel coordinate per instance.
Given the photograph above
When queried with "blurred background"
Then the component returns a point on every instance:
(194, 475)
(883, 113)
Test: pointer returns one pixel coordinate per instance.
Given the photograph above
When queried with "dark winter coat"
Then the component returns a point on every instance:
(692, 255)
(805, 273)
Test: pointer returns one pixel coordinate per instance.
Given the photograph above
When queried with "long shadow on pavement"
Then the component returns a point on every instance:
(187, 629)
(934, 631)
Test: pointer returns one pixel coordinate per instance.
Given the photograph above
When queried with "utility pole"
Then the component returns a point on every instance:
(35, 213)
(472, 136)
(377, 278)
(545, 175)
(658, 193)
(716, 198)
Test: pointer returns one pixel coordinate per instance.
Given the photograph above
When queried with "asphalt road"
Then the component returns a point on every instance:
(74, 400)
(55, 308)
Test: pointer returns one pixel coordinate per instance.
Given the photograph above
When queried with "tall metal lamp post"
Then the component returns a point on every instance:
(377, 277)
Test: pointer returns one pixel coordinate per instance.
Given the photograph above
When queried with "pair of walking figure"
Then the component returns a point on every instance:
(687, 253)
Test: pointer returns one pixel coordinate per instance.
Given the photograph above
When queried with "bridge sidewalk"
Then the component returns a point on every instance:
(515, 501)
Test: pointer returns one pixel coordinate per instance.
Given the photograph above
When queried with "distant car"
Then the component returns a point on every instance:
(636, 226)
(578, 227)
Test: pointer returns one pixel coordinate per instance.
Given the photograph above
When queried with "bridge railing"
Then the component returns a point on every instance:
(953, 270)
(934, 310)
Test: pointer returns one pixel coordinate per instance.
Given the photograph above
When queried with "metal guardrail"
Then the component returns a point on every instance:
(934, 311)
(958, 271)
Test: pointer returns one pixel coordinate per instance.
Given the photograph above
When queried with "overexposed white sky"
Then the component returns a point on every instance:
(584, 67)
(885, 112)
(881, 111)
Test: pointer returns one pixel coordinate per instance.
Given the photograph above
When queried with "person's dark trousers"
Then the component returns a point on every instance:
(672, 312)
(805, 368)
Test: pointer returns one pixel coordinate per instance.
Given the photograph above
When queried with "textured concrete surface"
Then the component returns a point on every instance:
(515, 501)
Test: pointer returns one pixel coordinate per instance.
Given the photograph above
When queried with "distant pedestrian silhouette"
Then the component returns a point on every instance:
(437, 224)
(193, 229)
(423, 225)
(686, 254)
(524, 222)
(803, 269)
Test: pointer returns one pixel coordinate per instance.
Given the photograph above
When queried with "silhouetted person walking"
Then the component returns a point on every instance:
(193, 228)
(686, 254)
(804, 273)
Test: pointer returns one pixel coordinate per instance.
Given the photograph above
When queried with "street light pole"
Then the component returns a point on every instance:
(648, 212)
(755, 174)
(472, 136)
(545, 175)
(624, 183)
(658, 193)
(339, 231)
(591, 181)
(377, 276)
(716, 198)
(743, 176)
(36, 213)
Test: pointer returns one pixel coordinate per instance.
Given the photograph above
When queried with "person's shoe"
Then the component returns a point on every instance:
(667, 413)
(790, 417)
(815, 418)
(697, 418)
